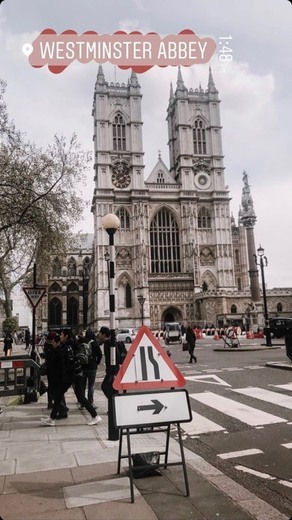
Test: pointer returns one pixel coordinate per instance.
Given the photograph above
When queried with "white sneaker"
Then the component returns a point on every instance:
(94, 420)
(47, 421)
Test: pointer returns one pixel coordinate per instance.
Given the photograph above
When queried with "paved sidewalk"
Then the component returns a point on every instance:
(69, 472)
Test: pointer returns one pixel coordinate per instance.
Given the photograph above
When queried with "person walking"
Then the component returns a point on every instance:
(71, 374)
(191, 339)
(89, 372)
(8, 342)
(110, 370)
(27, 338)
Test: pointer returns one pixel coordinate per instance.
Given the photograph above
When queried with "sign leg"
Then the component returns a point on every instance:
(183, 460)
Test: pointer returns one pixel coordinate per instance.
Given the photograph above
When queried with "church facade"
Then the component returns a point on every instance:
(177, 246)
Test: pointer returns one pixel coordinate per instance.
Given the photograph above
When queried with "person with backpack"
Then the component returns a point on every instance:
(82, 353)
(94, 360)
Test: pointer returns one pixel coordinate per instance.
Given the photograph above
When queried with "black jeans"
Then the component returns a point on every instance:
(80, 394)
(58, 397)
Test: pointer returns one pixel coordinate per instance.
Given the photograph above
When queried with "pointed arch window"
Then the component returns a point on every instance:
(72, 268)
(239, 287)
(124, 217)
(279, 307)
(55, 287)
(204, 219)
(233, 309)
(56, 267)
(55, 313)
(72, 287)
(236, 256)
(86, 266)
(199, 137)
(164, 243)
(128, 296)
(72, 311)
(119, 133)
(160, 177)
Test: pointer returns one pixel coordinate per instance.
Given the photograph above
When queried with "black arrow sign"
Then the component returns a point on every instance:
(157, 406)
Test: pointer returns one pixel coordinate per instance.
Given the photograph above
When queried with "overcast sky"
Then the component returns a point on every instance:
(255, 92)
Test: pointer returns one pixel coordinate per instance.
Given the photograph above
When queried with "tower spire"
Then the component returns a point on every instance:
(134, 80)
(171, 92)
(180, 82)
(211, 84)
(100, 79)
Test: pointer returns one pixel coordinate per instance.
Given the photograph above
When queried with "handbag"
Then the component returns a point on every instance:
(185, 346)
(143, 464)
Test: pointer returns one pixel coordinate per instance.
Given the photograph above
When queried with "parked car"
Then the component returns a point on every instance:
(172, 332)
(280, 327)
(126, 335)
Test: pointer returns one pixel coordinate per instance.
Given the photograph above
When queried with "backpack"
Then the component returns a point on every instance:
(84, 352)
(121, 352)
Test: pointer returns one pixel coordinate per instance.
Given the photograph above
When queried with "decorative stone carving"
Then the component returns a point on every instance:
(207, 256)
(123, 258)
(200, 165)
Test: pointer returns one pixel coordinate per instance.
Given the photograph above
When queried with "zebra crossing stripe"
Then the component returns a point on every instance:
(284, 401)
(200, 424)
(288, 386)
(242, 453)
(237, 410)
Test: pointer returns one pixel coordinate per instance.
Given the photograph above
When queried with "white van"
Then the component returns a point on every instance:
(172, 332)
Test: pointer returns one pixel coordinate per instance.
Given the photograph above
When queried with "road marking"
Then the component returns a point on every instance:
(285, 483)
(212, 370)
(256, 473)
(206, 379)
(266, 395)
(242, 412)
(254, 367)
(200, 424)
(288, 386)
(288, 445)
(233, 369)
(242, 453)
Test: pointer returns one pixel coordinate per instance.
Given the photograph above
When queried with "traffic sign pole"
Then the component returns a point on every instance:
(34, 294)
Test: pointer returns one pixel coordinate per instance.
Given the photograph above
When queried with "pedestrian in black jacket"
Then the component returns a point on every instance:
(8, 342)
(191, 339)
(94, 360)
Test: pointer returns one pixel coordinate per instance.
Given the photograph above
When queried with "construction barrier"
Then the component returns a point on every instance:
(216, 334)
(15, 371)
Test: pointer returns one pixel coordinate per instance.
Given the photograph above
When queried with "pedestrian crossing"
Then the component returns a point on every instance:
(224, 407)
(244, 413)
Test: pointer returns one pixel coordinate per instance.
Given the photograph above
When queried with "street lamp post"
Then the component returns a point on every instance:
(142, 300)
(263, 262)
(111, 223)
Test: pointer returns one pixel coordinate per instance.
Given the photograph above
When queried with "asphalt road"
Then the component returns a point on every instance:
(242, 416)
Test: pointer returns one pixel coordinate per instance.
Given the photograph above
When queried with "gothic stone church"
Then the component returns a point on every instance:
(177, 245)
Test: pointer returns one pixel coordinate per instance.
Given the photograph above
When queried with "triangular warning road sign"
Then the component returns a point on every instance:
(147, 366)
(34, 294)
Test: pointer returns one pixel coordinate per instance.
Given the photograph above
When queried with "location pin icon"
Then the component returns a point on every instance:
(27, 49)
